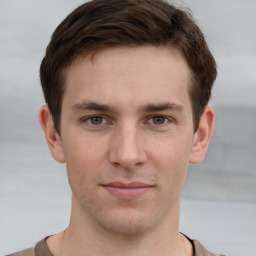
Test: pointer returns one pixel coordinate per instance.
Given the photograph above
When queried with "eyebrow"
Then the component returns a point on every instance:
(91, 106)
(147, 108)
(162, 107)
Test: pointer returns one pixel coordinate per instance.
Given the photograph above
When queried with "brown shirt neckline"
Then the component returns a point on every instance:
(41, 249)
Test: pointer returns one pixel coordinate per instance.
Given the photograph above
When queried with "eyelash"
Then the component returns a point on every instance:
(167, 120)
(88, 119)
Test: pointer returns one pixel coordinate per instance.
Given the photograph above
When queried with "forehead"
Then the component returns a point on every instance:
(148, 56)
(134, 74)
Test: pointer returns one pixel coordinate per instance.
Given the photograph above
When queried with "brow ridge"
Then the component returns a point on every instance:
(91, 106)
(162, 107)
(146, 108)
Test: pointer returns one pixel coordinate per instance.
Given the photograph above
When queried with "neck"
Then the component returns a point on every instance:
(84, 237)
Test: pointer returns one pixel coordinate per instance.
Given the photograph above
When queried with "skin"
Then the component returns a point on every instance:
(126, 117)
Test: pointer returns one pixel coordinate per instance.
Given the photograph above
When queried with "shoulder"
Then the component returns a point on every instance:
(27, 252)
(41, 249)
(201, 251)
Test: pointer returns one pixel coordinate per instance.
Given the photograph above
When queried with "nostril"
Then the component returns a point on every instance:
(116, 164)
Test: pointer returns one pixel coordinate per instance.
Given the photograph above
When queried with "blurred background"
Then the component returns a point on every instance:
(219, 200)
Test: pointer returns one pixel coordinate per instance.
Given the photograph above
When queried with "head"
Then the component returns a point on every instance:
(101, 24)
(127, 85)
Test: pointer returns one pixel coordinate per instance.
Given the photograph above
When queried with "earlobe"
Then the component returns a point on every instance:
(202, 136)
(52, 137)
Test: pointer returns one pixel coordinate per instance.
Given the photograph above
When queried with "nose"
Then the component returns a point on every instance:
(127, 148)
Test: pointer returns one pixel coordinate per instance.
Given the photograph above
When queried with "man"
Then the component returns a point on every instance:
(127, 83)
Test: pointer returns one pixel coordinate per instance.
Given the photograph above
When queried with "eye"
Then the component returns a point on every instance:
(158, 120)
(96, 120)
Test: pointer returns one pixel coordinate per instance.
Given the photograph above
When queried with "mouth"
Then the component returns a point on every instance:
(127, 191)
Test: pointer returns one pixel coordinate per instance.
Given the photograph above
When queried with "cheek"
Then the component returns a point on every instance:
(82, 150)
(172, 150)
(171, 158)
(83, 160)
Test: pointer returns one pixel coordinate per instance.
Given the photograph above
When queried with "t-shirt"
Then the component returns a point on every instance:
(41, 249)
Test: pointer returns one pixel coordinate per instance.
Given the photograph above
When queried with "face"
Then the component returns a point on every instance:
(127, 136)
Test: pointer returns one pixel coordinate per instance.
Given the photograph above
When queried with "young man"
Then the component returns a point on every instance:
(127, 83)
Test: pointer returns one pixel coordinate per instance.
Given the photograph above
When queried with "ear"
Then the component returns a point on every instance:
(202, 136)
(52, 137)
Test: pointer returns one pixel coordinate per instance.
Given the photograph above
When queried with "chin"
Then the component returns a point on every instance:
(126, 222)
(127, 227)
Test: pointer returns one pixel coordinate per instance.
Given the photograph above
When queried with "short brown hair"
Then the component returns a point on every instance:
(106, 23)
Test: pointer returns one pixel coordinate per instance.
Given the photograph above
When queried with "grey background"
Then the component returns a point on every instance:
(219, 200)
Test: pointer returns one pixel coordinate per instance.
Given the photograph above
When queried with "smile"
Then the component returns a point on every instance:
(127, 191)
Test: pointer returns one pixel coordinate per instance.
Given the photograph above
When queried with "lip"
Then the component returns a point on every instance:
(127, 191)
